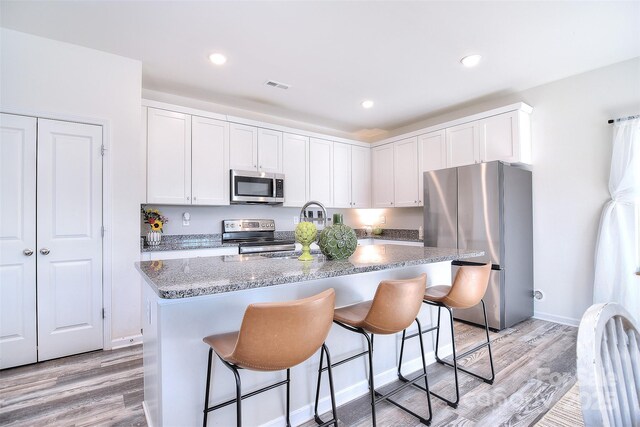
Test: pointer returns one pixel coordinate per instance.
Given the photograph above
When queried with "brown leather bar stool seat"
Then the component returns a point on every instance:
(394, 308)
(274, 337)
(467, 290)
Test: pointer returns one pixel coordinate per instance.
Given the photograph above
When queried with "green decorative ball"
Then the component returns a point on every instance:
(306, 233)
(338, 241)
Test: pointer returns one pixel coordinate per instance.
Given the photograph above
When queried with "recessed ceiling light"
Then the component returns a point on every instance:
(471, 60)
(217, 58)
(367, 103)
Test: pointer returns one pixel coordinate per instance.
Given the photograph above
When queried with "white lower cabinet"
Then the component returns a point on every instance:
(295, 159)
(321, 171)
(50, 275)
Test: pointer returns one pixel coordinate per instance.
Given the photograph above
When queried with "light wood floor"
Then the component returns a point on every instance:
(535, 366)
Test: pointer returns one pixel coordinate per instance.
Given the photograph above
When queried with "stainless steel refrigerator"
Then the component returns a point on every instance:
(486, 206)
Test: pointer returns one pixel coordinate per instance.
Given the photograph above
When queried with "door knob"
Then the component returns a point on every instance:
(27, 252)
(44, 251)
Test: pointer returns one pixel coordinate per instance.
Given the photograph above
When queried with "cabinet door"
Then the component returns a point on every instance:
(243, 147)
(295, 156)
(360, 177)
(17, 238)
(321, 171)
(499, 138)
(432, 153)
(406, 172)
(269, 151)
(382, 176)
(341, 175)
(210, 161)
(462, 145)
(69, 257)
(168, 157)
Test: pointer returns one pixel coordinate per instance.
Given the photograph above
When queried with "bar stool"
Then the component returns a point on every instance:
(394, 307)
(468, 289)
(274, 337)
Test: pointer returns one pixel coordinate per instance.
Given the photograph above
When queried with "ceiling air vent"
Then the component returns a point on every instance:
(279, 85)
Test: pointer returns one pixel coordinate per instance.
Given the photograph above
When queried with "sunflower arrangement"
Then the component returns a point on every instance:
(154, 218)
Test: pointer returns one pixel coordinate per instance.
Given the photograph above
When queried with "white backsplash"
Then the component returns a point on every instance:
(208, 219)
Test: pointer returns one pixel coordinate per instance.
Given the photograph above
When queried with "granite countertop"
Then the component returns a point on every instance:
(186, 242)
(182, 278)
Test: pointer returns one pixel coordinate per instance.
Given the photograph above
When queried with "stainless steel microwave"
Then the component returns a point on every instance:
(250, 187)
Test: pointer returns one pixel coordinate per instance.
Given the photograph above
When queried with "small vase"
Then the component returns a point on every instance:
(154, 238)
(338, 241)
(306, 233)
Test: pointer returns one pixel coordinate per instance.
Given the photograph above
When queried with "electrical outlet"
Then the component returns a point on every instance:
(186, 219)
(296, 220)
(382, 219)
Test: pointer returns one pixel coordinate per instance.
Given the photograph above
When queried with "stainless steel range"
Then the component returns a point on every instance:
(254, 236)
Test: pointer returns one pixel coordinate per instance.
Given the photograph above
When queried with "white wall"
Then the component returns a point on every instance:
(571, 155)
(49, 78)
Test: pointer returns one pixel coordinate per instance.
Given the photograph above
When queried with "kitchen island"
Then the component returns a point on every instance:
(185, 300)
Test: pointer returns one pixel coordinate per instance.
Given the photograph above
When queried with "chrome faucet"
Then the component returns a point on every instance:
(303, 211)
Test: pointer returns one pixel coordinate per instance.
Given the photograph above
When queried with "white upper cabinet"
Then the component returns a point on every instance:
(168, 157)
(269, 151)
(406, 172)
(320, 171)
(382, 177)
(243, 147)
(210, 161)
(505, 137)
(360, 177)
(432, 150)
(463, 145)
(295, 157)
(342, 176)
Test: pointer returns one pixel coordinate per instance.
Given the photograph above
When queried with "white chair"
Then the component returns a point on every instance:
(609, 366)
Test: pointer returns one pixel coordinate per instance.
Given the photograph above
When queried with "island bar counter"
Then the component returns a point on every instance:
(185, 300)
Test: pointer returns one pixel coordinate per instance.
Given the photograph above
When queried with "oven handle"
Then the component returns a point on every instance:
(267, 248)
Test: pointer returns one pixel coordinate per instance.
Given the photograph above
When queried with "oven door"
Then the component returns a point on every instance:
(252, 187)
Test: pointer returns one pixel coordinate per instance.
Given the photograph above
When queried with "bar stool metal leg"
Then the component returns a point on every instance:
(206, 392)
(455, 356)
(288, 396)
(372, 389)
(334, 420)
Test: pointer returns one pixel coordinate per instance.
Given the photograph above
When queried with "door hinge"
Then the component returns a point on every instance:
(104, 316)
(102, 150)
(102, 230)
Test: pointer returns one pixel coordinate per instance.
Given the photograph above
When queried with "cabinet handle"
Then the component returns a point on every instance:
(194, 198)
(27, 252)
(188, 198)
(44, 251)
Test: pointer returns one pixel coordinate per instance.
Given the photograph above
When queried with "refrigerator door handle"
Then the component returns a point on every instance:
(460, 263)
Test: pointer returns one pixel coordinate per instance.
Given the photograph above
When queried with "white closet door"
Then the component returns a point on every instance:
(17, 238)
(69, 252)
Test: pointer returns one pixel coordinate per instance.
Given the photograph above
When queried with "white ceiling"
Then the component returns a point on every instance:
(403, 55)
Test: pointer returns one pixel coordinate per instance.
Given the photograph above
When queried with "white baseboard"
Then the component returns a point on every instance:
(556, 319)
(126, 341)
(146, 414)
(306, 413)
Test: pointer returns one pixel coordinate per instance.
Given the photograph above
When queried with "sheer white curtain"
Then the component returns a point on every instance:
(617, 246)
